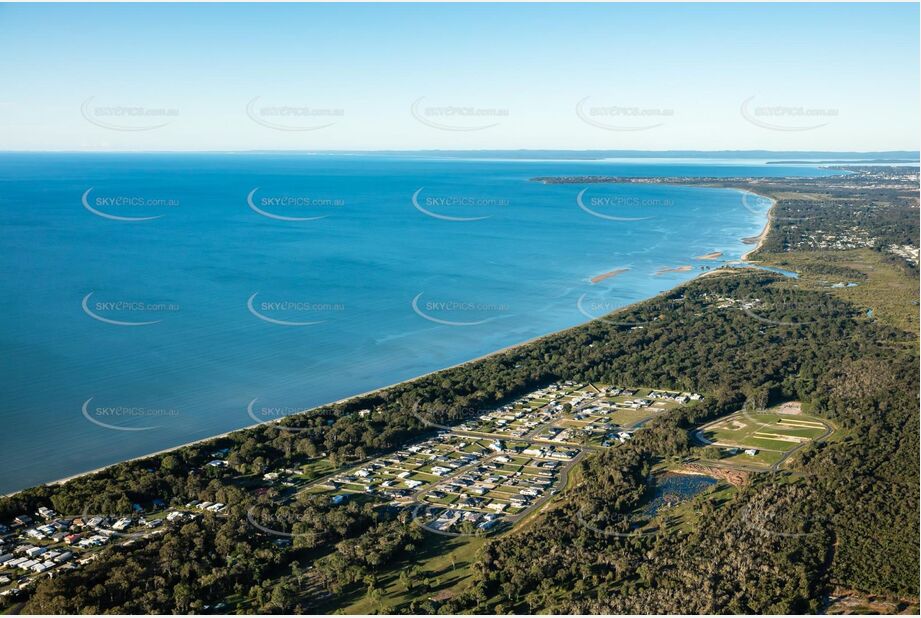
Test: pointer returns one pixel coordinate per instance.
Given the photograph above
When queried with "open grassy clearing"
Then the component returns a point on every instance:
(888, 291)
(625, 418)
(773, 434)
(442, 565)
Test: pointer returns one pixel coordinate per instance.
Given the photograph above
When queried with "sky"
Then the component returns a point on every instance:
(103, 77)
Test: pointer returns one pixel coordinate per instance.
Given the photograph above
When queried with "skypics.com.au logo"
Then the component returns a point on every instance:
(128, 118)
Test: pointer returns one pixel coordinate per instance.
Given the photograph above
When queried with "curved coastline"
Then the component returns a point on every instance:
(767, 225)
(744, 258)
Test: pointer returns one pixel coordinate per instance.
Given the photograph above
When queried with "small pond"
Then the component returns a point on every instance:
(670, 489)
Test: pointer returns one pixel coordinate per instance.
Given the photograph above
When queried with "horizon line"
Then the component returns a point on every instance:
(521, 150)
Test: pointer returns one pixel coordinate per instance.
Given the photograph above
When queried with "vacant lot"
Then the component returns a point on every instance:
(771, 433)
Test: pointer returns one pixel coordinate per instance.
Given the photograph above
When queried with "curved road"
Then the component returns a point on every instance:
(697, 434)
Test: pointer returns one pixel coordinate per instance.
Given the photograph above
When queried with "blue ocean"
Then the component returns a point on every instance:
(149, 300)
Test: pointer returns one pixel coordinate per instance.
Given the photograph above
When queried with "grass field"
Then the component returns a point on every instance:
(316, 468)
(771, 432)
(625, 418)
(884, 288)
(443, 561)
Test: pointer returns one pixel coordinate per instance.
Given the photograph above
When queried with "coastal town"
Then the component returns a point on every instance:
(480, 477)
(499, 467)
(489, 472)
(46, 543)
(862, 206)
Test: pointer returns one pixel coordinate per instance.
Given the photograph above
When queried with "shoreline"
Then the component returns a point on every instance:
(744, 258)
(767, 226)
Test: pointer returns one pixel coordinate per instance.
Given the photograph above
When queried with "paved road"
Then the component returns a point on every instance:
(497, 436)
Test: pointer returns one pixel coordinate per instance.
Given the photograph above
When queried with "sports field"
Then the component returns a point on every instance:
(771, 433)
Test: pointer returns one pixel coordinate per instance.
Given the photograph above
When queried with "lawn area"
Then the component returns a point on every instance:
(315, 469)
(772, 433)
(572, 423)
(425, 478)
(625, 418)
(444, 561)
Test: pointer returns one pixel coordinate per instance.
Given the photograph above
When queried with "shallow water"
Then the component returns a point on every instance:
(670, 489)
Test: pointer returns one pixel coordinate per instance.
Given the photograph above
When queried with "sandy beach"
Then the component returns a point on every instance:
(675, 269)
(609, 274)
(713, 255)
(759, 240)
(756, 240)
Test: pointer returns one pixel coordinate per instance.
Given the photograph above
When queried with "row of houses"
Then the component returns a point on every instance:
(521, 416)
(506, 484)
(400, 475)
(29, 548)
(675, 396)
(211, 507)
(449, 519)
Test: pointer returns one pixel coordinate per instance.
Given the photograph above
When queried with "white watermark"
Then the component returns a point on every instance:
(456, 308)
(102, 205)
(457, 117)
(99, 309)
(130, 118)
(622, 117)
(262, 309)
(271, 415)
(95, 413)
(268, 206)
(437, 206)
(786, 118)
(591, 205)
(293, 117)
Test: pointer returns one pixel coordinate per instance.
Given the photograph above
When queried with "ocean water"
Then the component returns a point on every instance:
(149, 300)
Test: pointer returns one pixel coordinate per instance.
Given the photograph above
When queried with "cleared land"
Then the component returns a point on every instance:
(773, 434)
